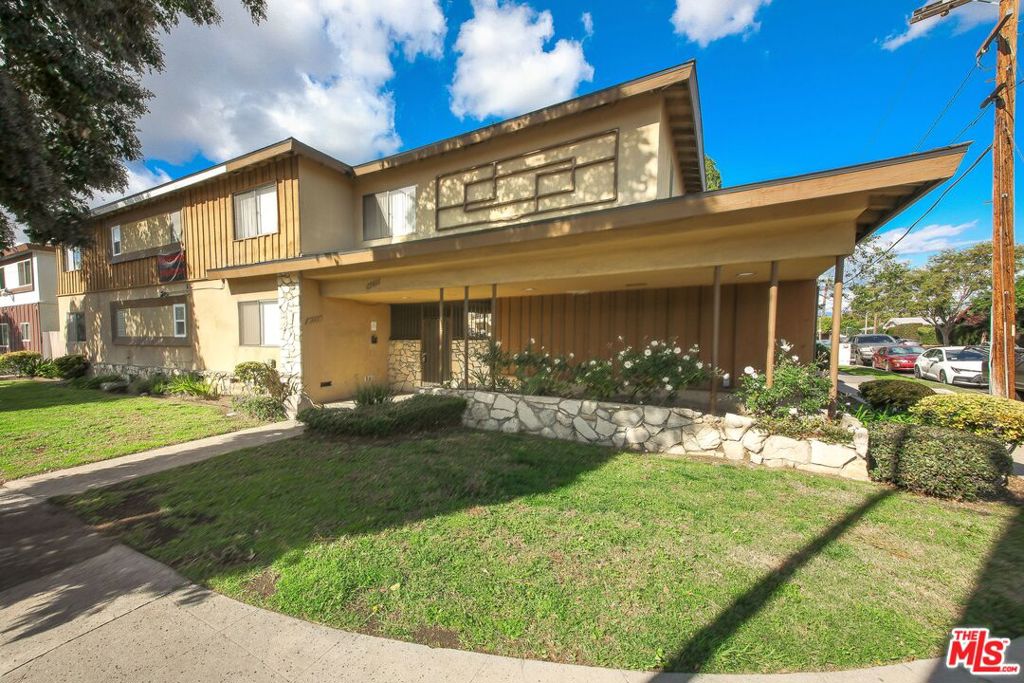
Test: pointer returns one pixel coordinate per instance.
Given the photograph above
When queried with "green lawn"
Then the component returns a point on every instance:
(864, 371)
(533, 548)
(46, 426)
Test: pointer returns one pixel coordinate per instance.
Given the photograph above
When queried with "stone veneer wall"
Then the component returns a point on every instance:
(222, 381)
(655, 429)
(289, 302)
(404, 362)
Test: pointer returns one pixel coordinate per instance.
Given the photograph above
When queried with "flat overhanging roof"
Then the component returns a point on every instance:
(809, 218)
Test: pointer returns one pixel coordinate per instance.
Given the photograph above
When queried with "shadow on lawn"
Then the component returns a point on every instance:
(20, 395)
(250, 507)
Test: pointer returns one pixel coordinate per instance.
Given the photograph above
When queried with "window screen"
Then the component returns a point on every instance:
(256, 212)
(390, 213)
(25, 272)
(259, 323)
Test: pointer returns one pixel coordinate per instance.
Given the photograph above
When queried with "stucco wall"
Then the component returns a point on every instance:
(325, 209)
(337, 344)
(639, 125)
(213, 315)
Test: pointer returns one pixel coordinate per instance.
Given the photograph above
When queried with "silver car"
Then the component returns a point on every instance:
(863, 346)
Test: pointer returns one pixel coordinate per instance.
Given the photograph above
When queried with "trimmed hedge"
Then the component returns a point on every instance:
(21, 363)
(71, 366)
(893, 395)
(422, 412)
(938, 461)
(980, 414)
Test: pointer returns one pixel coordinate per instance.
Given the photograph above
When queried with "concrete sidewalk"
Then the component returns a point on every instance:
(76, 606)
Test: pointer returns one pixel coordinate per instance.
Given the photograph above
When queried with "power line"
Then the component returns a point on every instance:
(949, 103)
(920, 218)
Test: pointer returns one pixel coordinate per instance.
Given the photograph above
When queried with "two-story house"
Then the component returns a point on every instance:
(572, 226)
(28, 298)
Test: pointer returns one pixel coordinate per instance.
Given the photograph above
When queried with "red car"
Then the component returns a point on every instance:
(896, 358)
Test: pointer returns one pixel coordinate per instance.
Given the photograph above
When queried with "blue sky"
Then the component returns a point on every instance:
(787, 86)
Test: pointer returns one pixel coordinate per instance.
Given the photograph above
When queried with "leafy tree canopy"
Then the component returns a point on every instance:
(70, 95)
(712, 176)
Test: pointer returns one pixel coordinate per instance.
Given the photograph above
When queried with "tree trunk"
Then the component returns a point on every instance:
(947, 334)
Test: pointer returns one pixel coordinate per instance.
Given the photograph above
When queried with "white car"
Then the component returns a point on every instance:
(951, 365)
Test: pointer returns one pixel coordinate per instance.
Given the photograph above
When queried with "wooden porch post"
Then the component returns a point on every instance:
(716, 324)
(442, 371)
(465, 337)
(773, 311)
(494, 326)
(837, 319)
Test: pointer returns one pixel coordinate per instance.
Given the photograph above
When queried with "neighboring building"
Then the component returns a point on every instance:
(571, 225)
(896, 322)
(28, 298)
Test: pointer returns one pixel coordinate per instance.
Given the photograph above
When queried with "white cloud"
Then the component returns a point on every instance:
(930, 238)
(704, 21)
(963, 18)
(503, 68)
(316, 70)
(588, 23)
(139, 178)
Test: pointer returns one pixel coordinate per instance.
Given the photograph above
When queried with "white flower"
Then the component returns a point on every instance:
(620, 338)
(686, 357)
(677, 350)
(628, 364)
(665, 380)
(647, 352)
(626, 383)
(792, 411)
(668, 387)
(532, 340)
(796, 358)
(497, 343)
(593, 362)
(725, 377)
(700, 366)
(785, 345)
(654, 343)
(572, 355)
(749, 371)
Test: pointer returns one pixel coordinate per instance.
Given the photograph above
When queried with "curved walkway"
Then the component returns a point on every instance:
(75, 605)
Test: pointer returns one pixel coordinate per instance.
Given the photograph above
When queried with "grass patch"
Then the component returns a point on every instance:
(535, 548)
(865, 371)
(49, 427)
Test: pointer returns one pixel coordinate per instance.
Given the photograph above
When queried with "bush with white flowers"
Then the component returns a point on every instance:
(660, 370)
(798, 389)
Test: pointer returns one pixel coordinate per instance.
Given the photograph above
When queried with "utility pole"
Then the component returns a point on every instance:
(1002, 368)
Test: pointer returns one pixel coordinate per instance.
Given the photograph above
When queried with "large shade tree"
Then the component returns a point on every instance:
(70, 95)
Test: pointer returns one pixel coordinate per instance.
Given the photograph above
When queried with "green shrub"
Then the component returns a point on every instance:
(21, 363)
(893, 395)
(374, 393)
(260, 407)
(422, 412)
(805, 427)
(191, 384)
(979, 414)
(93, 382)
(798, 389)
(263, 379)
(48, 369)
(154, 384)
(938, 461)
(71, 366)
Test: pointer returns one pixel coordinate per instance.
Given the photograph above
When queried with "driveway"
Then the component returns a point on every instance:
(76, 606)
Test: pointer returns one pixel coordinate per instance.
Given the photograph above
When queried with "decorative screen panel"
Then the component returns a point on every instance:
(570, 175)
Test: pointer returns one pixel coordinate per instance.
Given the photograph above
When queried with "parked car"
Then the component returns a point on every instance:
(863, 346)
(1018, 375)
(952, 365)
(897, 358)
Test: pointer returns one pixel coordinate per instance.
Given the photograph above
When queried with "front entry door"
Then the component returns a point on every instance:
(430, 352)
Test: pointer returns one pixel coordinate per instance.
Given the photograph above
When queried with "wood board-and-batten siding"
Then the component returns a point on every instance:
(207, 215)
(588, 325)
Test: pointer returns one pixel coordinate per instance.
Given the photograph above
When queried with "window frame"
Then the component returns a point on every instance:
(388, 221)
(259, 303)
(30, 270)
(25, 330)
(72, 259)
(255, 192)
(5, 335)
(116, 246)
(184, 320)
(74, 326)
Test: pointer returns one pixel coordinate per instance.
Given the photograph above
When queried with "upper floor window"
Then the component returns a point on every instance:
(390, 213)
(72, 259)
(115, 240)
(256, 212)
(25, 272)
